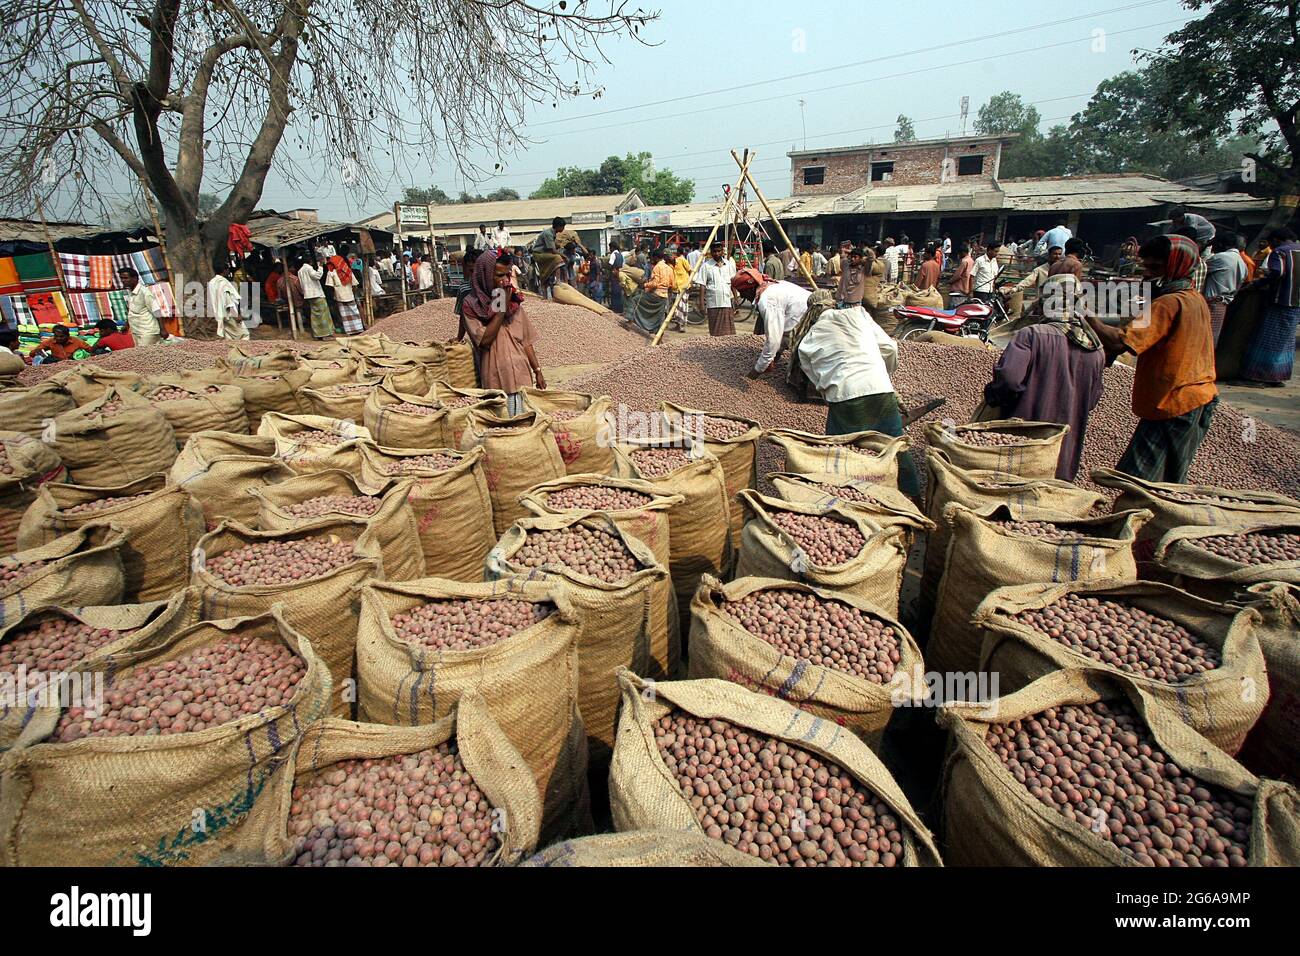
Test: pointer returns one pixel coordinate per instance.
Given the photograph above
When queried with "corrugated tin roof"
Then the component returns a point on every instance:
(275, 231)
(445, 219)
(31, 230)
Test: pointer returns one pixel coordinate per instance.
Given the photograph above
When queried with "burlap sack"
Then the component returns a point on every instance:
(1034, 457)
(648, 522)
(11, 366)
(368, 343)
(242, 360)
(585, 440)
(876, 459)
(619, 625)
(181, 799)
(491, 402)
(220, 469)
(983, 557)
(1272, 748)
(394, 524)
(722, 648)
(108, 450)
(78, 569)
(529, 682)
(329, 371)
(345, 401)
(460, 365)
(221, 410)
(430, 354)
(642, 848)
(272, 392)
(141, 625)
(28, 464)
(644, 793)
(324, 609)
(1026, 497)
(518, 453)
(393, 427)
(399, 375)
(161, 529)
(886, 507)
(32, 410)
(88, 382)
(699, 540)
(992, 820)
(875, 575)
(1237, 507)
(1202, 572)
(1221, 704)
(739, 457)
(929, 299)
(453, 509)
(328, 351)
(496, 767)
(305, 458)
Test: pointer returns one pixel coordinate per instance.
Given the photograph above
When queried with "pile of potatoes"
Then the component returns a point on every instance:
(989, 439)
(361, 505)
(775, 801)
(281, 562)
(565, 415)
(1194, 498)
(420, 809)
(410, 408)
(1123, 636)
(12, 573)
(316, 437)
(718, 429)
(590, 551)
(463, 401)
(1098, 766)
(657, 462)
(6, 467)
(826, 541)
(207, 687)
(463, 625)
(596, 498)
(845, 492)
(111, 407)
(169, 393)
(55, 644)
(99, 504)
(1037, 529)
(823, 632)
(433, 462)
(1255, 547)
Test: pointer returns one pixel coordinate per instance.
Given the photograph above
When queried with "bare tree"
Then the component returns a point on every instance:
(195, 94)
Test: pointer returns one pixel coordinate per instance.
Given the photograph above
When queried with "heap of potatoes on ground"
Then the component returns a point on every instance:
(336, 608)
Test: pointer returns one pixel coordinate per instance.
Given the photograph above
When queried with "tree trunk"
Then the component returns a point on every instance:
(1284, 210)
(191, 252)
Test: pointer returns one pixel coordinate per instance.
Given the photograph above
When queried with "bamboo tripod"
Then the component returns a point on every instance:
(723, 220)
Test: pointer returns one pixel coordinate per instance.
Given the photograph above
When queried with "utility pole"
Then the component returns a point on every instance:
(803, 118)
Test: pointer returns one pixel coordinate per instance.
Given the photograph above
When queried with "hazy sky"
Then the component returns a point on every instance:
(722, 67)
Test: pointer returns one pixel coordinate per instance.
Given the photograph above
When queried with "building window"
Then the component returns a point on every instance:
(970, 165)
(882, 172)
(814, 175)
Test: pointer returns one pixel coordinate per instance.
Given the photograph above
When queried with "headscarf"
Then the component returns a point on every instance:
(1074, 328)
(1184, 253)
(339, 266)
(750, 280)
(483, 286)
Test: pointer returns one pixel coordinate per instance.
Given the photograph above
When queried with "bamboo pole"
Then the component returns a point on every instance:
(54, 257)
(722, 218)
(776, 222)
(288, 293)
(401, 259)
(171, 273)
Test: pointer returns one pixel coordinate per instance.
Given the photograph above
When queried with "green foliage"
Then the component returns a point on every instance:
(1007, 113)
(425, 196)
(615, 176)
(906, 131)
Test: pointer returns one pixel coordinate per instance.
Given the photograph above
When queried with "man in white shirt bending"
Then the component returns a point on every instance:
(781, 305)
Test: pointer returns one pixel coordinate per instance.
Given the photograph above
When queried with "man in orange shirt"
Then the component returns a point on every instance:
(662, 281)
(1173, 390)
(928, 274)
(960, 284)
(60, 346)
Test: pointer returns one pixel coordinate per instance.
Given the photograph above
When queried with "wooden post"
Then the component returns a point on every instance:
(776, 222)
(171, 275)
(288, 292)
(54, 257)
(722, 218)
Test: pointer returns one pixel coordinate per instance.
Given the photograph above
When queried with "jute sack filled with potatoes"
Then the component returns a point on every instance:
(646, 793)
(25, 465)
(400, 375)
(113, 440)
(312, 571)
(1183, 506)
(991, 817)
(641, 848)
(990, 548)
(699, 539)
(579, 423)
(310, 443)
(264, 391)
(879, 504)
(329, 370)
(339, 760)
(31, 410)
(345, 401)
(171, 798)
(636, 507)
(767, 635)
(734, 442)
(385, 508)
(431, 354)
(460, 365)
(1272, 748)
(450, 500)
(241, 359)
(80, 568)
(88, 382)
(866, 456)
(422, 646)
(59, 640)
(831, 548)
(1028, 449)
(622, 613)
(405, 420)
(220, 469)
(1218, 563)
(192, 407)
(459, 402)
(1200, 659)
(518, 453)
(162, 522)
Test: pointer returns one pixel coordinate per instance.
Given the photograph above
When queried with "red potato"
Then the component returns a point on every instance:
(826, 541)
(12, 573)
(281, 562)
(410, 408)
(657, 462)
(362, 505)
(596, 498)
(55, 644)
(1255, 547)
(99, 504)
(464, 625)
(420, 463)
(169, 393)
(589, 551)
(989, 439)
(1038, 529)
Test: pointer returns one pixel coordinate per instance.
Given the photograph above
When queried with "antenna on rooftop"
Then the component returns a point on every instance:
(965, 112)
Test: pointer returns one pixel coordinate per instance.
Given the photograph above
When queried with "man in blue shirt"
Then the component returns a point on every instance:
(1058, 236)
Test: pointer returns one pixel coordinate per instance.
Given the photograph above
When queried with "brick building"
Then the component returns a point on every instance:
(969, 160)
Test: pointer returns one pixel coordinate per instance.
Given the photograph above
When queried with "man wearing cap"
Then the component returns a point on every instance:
(781, 305)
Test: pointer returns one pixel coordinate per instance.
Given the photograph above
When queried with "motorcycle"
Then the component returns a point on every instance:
(973, 319)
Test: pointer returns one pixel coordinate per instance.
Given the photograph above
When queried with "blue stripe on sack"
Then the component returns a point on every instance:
(252, 759)
(813, 730)
(273, 736)
(787, 685)
(794, 719)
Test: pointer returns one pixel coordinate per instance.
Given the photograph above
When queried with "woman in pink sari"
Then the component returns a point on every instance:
(501, 330)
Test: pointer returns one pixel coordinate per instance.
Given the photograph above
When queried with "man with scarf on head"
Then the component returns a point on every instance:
(781, 305)
(343, 281)
(1051, 372)
(1173, 389)
(501, 331)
